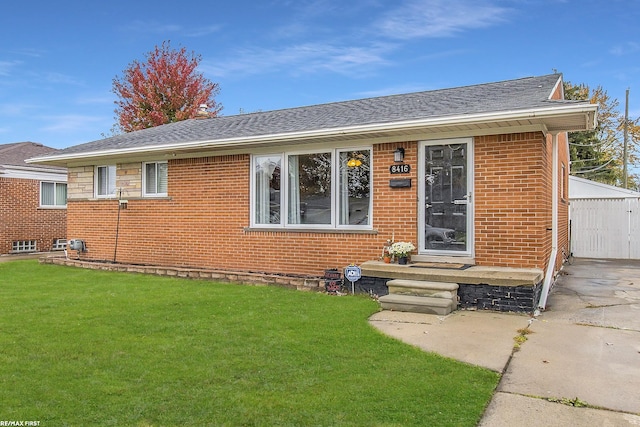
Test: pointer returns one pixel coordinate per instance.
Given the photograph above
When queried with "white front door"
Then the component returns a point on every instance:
(446, 197)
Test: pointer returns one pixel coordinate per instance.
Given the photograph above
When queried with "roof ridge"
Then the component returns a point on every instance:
(381, 97)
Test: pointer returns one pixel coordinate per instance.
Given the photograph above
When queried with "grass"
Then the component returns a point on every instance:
(83, 347)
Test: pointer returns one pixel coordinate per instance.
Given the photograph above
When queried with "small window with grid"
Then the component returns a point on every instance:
(23, 246)
(59, 244)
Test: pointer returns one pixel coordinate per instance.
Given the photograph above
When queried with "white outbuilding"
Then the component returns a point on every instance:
(605, 220)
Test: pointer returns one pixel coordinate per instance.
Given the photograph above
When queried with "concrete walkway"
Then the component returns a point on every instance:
(580, 364)
(35, 255)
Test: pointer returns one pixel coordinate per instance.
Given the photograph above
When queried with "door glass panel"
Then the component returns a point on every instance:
(445, 197)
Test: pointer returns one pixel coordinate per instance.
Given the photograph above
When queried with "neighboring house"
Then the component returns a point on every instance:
(605, 220)
(473, 175)
(33, 201)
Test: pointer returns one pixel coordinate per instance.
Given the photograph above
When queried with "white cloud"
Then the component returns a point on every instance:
(203, 31)
(625, 49)
(71, 122)
(31, 52)
(15, 109)
(7, 66)
(153, 27)
(59, 78)
(140, 26)
(438, 18)
(357, 48)
(95, 100)
(309, 57)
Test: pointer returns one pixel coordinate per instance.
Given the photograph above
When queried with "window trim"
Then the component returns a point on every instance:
(24, 246)
(59, 244)
(55, 193)
(563, 182)
(144, 179)
(284, 191)
(96, 185)
(336, 201)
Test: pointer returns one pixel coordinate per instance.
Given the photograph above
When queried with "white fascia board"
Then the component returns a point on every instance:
(589, 111)
(40, 174)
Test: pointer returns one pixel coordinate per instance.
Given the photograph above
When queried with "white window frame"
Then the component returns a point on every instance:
(146, 193)
(59, 244)
(111, 178)
(563, 178)
(55, 205)
(335, 194)
(20, 246)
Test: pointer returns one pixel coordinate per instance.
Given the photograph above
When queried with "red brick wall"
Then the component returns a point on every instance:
(21, 218)
(563, 201)
(512, 200)
(204, 221)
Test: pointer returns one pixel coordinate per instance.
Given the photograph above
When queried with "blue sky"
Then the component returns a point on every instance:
(58, 59)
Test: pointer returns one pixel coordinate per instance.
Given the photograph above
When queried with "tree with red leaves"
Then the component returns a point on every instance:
(164, 89)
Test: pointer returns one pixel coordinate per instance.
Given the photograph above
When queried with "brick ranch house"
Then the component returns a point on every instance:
(474, 176)
(33, 215)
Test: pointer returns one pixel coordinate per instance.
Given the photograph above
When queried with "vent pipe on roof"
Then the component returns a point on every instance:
(202, 112)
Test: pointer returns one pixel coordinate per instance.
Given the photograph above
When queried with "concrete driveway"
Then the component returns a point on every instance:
(584, 350)
(580, 364)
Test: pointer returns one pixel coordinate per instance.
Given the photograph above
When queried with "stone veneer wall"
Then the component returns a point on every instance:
(481, 297)
(521, 299)
(499, 298)
(307, 283)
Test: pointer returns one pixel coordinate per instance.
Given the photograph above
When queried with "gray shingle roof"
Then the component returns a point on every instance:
(16, 153)
(512, 95)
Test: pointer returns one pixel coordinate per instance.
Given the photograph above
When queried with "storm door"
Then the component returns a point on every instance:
(446, 210)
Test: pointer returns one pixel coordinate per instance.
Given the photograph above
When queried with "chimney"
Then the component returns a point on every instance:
(202, 112)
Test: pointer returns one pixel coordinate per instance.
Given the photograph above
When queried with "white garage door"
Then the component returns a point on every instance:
(605, 228)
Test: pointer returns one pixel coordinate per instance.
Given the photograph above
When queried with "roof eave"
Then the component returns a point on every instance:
(582, 113)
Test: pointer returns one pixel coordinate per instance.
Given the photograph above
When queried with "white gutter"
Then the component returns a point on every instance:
(549, 275)
(539, 113)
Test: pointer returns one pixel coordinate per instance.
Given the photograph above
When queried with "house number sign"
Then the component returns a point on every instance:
(394, 169)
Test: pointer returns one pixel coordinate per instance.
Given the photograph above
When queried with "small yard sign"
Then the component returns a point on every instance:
(352, 273)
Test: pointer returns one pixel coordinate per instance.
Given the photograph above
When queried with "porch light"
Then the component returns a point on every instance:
(354, 163)
(398, 155)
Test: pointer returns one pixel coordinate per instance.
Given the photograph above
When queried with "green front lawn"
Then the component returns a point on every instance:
(82, 347)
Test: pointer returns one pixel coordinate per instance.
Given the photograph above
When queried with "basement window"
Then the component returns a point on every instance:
(19, 246)
(59, 244)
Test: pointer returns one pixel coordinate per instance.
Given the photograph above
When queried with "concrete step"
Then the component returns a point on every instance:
(424, 288)
(417, 304)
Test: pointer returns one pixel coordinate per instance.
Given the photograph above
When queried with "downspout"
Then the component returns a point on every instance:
(549, 275)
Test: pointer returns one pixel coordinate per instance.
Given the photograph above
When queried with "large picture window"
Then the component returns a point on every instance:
(155, 179)
(105, 181)
(323, 189)
(53, 194)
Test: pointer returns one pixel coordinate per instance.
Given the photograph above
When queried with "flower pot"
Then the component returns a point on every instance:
(387, 259)
(403, 260)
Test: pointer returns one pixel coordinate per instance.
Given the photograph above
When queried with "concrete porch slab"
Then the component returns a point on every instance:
(476, 275)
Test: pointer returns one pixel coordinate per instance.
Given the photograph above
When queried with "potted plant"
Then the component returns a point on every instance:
(386, 255)
(401, 251)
